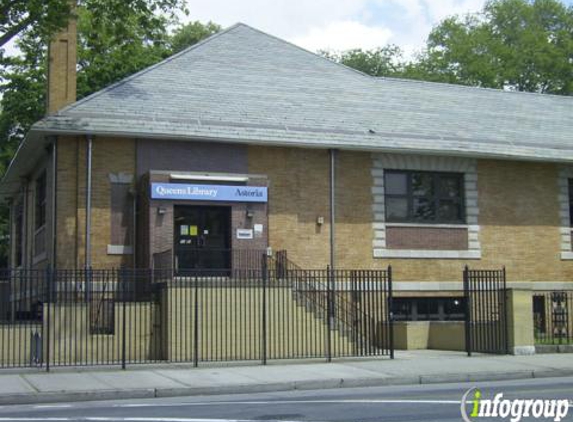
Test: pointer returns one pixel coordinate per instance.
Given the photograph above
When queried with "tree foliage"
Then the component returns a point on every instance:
(116, 38)
(517, 44)
(525, 45)
(47, 16)
(104, 57)
(191, 34)
(383, 61)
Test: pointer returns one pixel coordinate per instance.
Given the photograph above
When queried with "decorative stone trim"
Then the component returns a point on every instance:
(565, 173)
(425, 254)
(438, 286)
(467, 166)
(122, 178)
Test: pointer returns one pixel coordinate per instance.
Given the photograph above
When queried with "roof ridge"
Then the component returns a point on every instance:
(304, 50)
(147, 69)
(470, 87)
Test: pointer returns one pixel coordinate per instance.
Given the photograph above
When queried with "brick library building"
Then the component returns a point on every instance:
(245, 145)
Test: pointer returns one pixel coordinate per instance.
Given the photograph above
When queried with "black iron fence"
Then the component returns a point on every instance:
(189, 257)
(122, 317)
(553, 317)
(486, 311)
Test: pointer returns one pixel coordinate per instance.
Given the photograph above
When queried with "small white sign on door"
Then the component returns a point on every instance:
(244, 233)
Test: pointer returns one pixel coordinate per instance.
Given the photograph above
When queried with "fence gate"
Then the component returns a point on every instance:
(486, 311)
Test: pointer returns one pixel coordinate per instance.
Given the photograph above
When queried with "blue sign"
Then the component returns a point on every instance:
(180, 191)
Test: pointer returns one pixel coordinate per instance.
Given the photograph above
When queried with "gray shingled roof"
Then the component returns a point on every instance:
(246, 86)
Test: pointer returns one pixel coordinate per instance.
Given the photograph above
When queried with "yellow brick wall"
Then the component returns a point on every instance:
(67, 202)
(354, 233)
(298, 195)
(110, 155)
(519, 215)
(518, 202)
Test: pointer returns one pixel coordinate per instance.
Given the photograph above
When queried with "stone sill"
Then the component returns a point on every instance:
(426, 254)
(429, 226)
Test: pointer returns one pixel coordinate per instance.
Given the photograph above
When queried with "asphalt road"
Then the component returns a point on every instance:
(423, 403)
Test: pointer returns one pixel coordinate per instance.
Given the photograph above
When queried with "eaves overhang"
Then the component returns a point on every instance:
(34, 146)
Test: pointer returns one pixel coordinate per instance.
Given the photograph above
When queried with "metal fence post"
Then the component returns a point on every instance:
(506, 322)
(47, 322)
(329, 309)
(354, 301)
(196, 325)
(123, 290)
(468, 311)
(264, 314)
(390, 312)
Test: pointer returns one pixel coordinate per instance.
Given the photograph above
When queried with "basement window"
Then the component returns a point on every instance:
(424, 197)
(429, 308)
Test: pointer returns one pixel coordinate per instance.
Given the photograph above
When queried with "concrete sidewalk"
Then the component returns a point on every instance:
(162, 381)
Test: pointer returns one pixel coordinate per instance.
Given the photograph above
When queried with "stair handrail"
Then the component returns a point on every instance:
(343, 309)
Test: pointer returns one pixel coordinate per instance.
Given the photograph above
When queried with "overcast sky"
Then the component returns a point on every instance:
(337, 24)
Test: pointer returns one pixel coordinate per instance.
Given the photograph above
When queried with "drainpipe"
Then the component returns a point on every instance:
(332, 207)
(54, 199)
(134, 230)
(88, 258)
(12, 256)
(11, 233)
(88, 261)
(331, 277)
(25, 222)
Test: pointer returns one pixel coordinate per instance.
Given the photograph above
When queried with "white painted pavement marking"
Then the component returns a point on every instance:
(132, 419)
(275, 402)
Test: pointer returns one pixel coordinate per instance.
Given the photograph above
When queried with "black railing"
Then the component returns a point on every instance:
(486, 325)
(354, 303)
(222, 261)
(553, 317)
(123, 317)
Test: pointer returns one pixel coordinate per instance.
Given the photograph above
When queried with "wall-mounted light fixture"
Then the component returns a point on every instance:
(320, 220)
(161, 210)
(250, 213)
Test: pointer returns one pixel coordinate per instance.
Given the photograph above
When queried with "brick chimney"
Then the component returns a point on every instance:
(62, 60)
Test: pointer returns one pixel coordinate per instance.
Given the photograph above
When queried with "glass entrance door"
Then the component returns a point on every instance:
(202, 239)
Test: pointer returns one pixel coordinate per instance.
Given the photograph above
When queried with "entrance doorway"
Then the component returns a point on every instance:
(202, 239)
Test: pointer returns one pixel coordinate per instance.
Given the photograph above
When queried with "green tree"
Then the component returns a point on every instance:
(192, 33)
(104, 57)
(106, 54)
(518, 44)
(47, 16)
(383, 61)
(526, 45)
(23, 95)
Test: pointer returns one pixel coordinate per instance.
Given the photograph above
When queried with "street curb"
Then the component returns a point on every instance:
(75, 396)
(118, 394)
